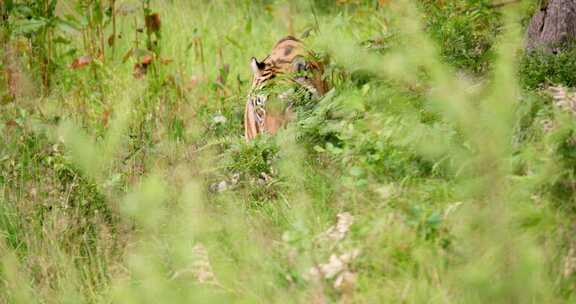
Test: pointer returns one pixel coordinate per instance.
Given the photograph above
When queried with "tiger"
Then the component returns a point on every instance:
(286, 76)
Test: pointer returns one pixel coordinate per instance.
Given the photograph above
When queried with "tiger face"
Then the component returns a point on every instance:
(281, 81)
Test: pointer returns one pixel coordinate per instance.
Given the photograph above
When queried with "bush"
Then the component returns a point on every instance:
(539, 68)
(464, 30)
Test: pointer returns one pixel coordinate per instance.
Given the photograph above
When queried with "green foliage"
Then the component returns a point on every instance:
(540, 68)
(464, 31)
(340, 128)
(254, 157)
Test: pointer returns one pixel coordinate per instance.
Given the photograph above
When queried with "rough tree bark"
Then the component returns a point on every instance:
(553, 27)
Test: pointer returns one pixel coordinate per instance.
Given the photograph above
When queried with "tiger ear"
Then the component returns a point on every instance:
(256, 66)
(299, 64)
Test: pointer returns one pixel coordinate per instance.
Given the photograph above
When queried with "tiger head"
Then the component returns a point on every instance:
(287, 77)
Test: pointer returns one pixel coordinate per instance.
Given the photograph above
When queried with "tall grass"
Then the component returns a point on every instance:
(424, 175)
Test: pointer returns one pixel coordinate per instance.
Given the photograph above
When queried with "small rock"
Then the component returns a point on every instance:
(219, 187)
(219, 119)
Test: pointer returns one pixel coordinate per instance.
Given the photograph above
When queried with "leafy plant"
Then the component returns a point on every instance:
(541, 68)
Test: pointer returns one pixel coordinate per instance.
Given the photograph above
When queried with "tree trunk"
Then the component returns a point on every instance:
(553, 27)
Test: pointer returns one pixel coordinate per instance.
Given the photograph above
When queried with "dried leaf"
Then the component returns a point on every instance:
(146, 59)
(111, 40)
(152, 22)
(335, 265)
(81, 62)
(345, 281)
(141, 68)
(106, 117)
(339, 231)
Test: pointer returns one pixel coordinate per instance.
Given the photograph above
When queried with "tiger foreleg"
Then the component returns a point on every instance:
(251, 128)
